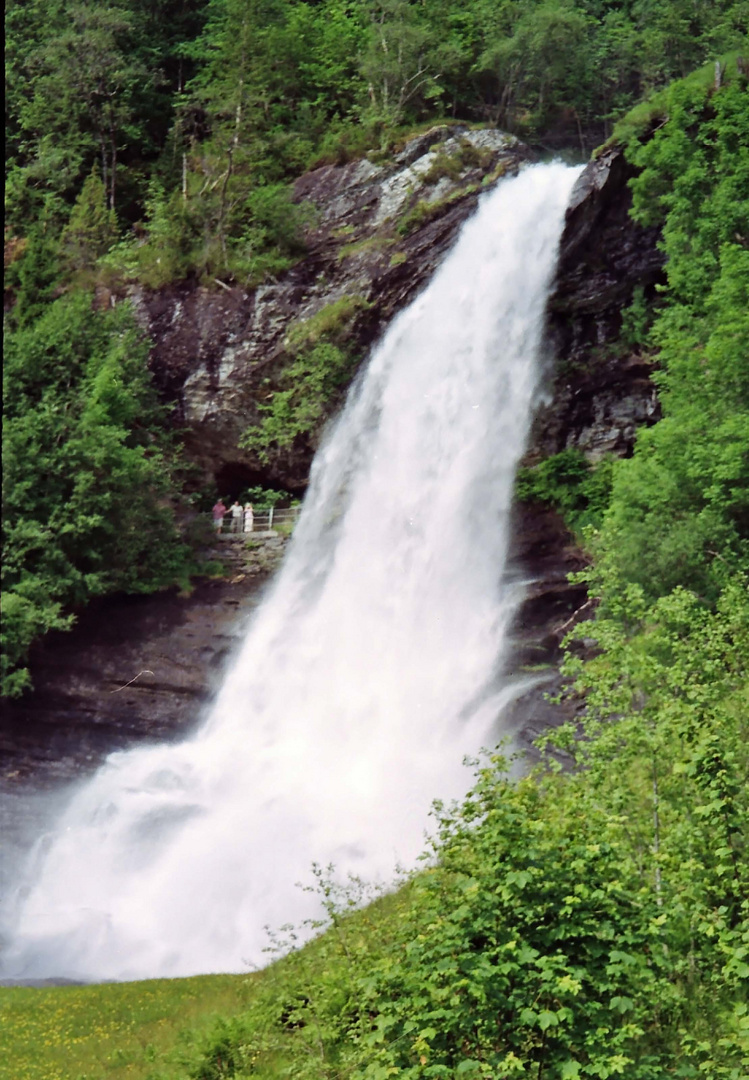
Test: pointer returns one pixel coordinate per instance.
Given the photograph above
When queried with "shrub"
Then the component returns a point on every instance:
(322, 364)
(568, 482)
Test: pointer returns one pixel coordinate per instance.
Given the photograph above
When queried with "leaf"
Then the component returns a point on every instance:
(547, 1019)
(621, 1004)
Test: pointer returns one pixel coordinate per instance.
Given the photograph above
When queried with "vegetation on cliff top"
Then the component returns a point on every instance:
(197, 115)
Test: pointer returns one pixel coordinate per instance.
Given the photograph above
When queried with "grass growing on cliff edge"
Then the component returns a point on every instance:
(653, 111)
(579, 490)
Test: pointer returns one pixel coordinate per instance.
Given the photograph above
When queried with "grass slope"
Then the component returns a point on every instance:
(138, 1031)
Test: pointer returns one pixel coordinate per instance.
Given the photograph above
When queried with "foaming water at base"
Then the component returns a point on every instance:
(368, 673)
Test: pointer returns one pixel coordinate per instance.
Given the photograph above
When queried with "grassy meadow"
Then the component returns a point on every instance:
(112, 1031)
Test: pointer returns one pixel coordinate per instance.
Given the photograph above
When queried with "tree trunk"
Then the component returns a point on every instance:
(113, 184)
(222, 208)
(656, 838)
(104, 173)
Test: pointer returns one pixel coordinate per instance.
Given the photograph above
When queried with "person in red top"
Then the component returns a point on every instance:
(218, 515)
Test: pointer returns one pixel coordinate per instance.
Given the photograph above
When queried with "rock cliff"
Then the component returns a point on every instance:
(134, 669)
(379, 230)
(598, 392)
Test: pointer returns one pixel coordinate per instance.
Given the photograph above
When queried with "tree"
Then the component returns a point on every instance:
(93, 62)
(75, 97)
(38, 274)
(679, 512)
(87, 473)
(92, 227)
(399, 61)
(542, 65)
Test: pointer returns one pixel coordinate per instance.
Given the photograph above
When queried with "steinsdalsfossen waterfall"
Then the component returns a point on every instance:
(371, 669)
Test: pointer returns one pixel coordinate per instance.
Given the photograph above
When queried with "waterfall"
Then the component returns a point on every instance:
(371, 669)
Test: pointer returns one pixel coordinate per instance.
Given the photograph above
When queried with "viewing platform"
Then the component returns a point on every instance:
(265, 524)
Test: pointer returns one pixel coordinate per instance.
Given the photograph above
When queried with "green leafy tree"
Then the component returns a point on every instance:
(543, 63)
(82, 99)
(399, 63)
(38, 274)
(88, 499)
(88, 84)
(680, 507)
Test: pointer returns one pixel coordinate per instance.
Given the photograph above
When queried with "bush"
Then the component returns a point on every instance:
(567, 481)
(679, 511)
(579, 923)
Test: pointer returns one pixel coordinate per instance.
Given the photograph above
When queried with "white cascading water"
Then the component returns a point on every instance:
(368, 673)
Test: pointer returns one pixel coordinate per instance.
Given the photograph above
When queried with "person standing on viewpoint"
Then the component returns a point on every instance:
(218, 515)
(248, 517)
(236, 516)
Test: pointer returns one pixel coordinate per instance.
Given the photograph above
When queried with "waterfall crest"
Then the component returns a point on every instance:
(370, 669)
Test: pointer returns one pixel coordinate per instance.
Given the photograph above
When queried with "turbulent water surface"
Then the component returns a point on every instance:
(369, 672)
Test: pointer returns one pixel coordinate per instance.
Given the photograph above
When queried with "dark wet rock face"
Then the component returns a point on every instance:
(597, 395)
(544, 554)
(134, 669)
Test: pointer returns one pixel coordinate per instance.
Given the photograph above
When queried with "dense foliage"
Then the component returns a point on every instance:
(197, 115)
(87, 473)
(579, 490)
(590, 923)
(680, 512)
(591, 919)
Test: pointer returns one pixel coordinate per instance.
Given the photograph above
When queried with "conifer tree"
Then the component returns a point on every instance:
(92, 227)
